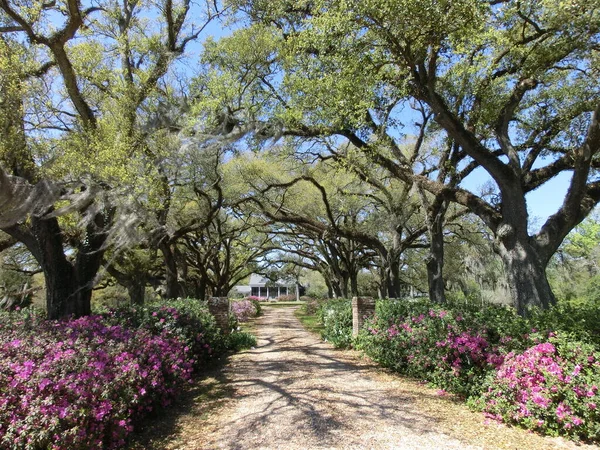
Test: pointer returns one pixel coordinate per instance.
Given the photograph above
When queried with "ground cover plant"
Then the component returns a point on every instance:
(306, 314)
(540, 372)
(86, 383)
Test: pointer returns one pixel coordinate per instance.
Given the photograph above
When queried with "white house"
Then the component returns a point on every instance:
(260, 286)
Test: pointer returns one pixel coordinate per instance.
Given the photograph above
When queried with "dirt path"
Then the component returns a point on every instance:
(295, 392)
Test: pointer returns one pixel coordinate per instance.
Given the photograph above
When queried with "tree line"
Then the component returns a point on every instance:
(330, 135)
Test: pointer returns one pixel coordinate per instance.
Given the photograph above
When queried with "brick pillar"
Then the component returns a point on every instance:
(362, 308)
(219, 308)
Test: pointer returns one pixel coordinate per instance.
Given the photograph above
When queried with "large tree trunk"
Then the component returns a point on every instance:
(136, 291)
(68, 289)
(353, 284)
(68, 284)
(435, 259)
(525, 271)
(344, 285)
(172, 288)
(201, 289)
(435, 266)
(64, 297)
(330, 293)
(385, 283)
(337, 290)
(135, 283)
(393, 279)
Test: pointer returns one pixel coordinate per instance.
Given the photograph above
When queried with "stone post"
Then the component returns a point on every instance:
(219, 308)
(362, 308)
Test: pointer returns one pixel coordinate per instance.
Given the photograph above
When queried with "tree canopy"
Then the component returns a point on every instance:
(333, 135)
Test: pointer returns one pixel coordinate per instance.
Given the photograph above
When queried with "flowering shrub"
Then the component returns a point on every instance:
(435, 345)
(257, 306)
(254, 298)
(83, 384)
(311, 305)
(187, 320)
(550, 387)
(517, 370)
(286, 298)
(243, 310)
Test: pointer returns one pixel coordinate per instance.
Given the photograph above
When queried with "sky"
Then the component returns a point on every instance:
(541, 203)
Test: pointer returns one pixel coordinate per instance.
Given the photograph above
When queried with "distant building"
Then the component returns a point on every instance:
(260, 286)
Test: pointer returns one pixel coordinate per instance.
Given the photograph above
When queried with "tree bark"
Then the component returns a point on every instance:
(393, 279)
(354, 284)
(526, 272)
(435, 266)
(172, 288)
(201, 289)
(329, 288)
(344, 285)
(435, 259)
(135, 283)
(68, 284)
(337, 289)
(64, 298)
(136, 290)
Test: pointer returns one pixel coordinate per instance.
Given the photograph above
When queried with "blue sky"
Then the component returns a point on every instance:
(541, 203)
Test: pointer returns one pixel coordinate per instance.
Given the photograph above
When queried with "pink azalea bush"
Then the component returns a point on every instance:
(82, 383)
(187, 320)
(435, 345)
(85, 383)
(517, 370)
(243, 310)
(551, 387)
(311, 305)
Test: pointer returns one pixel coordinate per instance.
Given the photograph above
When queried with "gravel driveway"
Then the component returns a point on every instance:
(295, 392)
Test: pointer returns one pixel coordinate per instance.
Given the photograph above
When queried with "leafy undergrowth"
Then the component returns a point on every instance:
(309, 320)
(87, 383)
(542, 373)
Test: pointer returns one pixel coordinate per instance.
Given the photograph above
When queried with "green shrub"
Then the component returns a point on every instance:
(240, 340)
(517, 370)
(186, 319)
(311, 305)
(432, 343)
(336, 317)
(257, 307)
(581, 321)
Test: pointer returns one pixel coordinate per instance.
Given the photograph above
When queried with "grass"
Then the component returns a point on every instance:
(280, 304)
(248, 327)
(309, 321)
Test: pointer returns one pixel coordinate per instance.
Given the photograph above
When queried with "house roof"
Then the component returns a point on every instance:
(260, 281)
